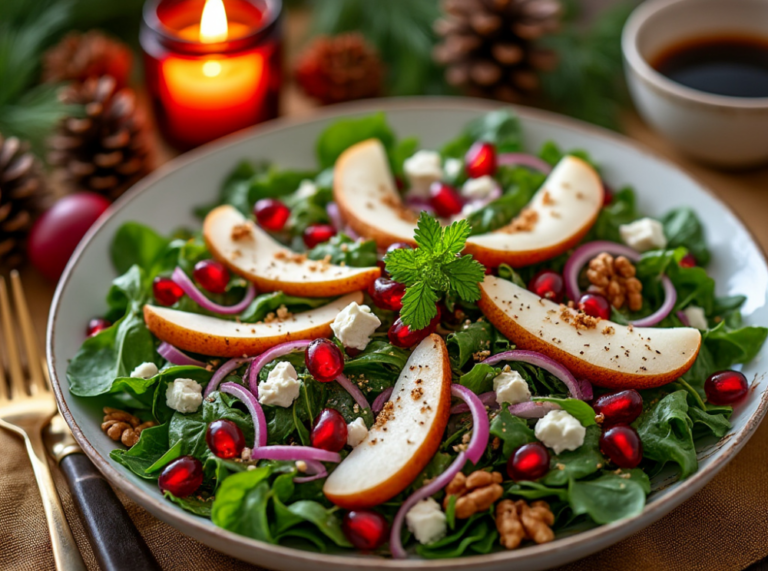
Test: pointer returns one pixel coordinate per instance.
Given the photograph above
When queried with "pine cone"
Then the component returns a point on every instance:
(78, 57)
(22, 190)
(340, 68)
(107, 150)
(489, 45)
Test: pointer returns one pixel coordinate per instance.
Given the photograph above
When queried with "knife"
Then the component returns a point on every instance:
(115, 541)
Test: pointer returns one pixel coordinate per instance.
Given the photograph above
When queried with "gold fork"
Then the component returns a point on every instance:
(26, 409)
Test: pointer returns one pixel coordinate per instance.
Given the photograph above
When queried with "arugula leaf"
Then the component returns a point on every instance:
(344, 250)
(610, 497)
(436, 266)
(579, 409)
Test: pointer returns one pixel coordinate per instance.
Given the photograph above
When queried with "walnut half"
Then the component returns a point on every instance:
(123, 426)
(517, 521)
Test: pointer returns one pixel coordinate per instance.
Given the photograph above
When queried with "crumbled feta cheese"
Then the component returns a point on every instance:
(560, 431)
(144, 371)
(422, 169)
(478, 188)
(452, 167)
(643, 235)
(356, 432)
(184, 395)
(696, 317)
(427, 521)
(354, 326)
(306, 189)
(511, 388)
(281, 387)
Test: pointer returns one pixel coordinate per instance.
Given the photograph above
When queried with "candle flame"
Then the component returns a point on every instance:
(213, 23)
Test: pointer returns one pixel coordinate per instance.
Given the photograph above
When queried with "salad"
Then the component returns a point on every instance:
(416, 352)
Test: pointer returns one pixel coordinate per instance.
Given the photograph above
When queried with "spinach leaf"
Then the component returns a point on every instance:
(536, 491)
(477, 535)
(160, 410)
(731, 346)
(267, 303)
(472, 338)
(192, 504)
(683, 228)
(579, 463)
(553, 154)
(709, 422)
(152, 445)
(579, 409)
(344, 133)
(610, 497)
(512, 431)
(235, 189)
(344, 250)
(480, 378)
(502, 128)
(274, 183)
(508, 273)
(136, 244)
(241, 504)
(621, 210)
(380, 364)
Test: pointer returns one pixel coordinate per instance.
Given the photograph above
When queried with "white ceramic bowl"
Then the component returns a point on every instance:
(164, 201)
(724, 131)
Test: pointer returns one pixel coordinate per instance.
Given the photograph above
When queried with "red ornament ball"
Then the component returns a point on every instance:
(365, 529)
(55, 235)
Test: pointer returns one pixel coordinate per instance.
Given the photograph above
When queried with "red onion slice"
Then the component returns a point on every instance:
(270, 355)
(419, 204)
(544, 362)
(294, 453)
(532, 409)
(586, 389)
(395, 541)
(524, 160)
(334, 215)
(315, 471)
(189, 287)
(257, 413)
(354, 390)
(177, 357)
(587, 251)
(488, 399)
(222, 372)
(481, 428)
(380, 400)
(684, 318)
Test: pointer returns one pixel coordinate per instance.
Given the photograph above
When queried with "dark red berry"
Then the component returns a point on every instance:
(529, 462)
(400, 335)
(622, 445)
(622, 407)
(182, 477)
(445, 200)
(365, 529)
(726, 387)
(212, 275)
(96, 325)
(607, 195)
(166, 291)
(225, 439)
(549, 285)
(387, 294)
(688, 261)
(480, 160)
(317, 234)
(595, 305)
(324, 360)
(271, 214)
(399, 246)
(330, 431)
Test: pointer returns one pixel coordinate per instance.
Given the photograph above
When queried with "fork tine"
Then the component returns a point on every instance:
(14, 362)
(37, 381)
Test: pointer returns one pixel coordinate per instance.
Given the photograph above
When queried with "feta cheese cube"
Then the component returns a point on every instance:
(478, 188)
(144, 371)
(643, 235)
(452, 167)
(356, 432)
(281, 387)
(511, 388)
(560, 431)
(306, 189)
(354, 326)
(184, 395)
(422, 169)
(696, 317)
(427, 521)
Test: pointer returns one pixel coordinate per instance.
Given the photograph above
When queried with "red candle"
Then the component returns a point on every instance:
(212, 66)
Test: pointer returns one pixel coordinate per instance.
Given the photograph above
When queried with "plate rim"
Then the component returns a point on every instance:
(182, 521)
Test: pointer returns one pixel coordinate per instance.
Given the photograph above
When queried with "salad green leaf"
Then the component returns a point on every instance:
(344, 133)
(344, 250)
(610, 497)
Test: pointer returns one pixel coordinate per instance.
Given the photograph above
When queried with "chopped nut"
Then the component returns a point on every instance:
(403, 212)
(123, 426)
(511, 532)
(517, 521)
(241, 232)
(524, 222)
(476, 492)
(615, 279)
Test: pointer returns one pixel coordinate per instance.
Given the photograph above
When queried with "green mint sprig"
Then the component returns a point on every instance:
(434, 268)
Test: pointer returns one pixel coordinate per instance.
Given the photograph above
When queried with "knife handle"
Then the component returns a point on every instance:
(116, 542)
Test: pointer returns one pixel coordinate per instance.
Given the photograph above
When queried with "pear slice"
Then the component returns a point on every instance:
(220, 338)
(605, 353)
(558, 216)
(250, 252)
(405, 437)
(367, 197)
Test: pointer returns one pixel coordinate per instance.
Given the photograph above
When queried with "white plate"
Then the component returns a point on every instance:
(165, 199)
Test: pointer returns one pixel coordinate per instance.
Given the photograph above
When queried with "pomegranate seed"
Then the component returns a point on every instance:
(607, 195)
(549, 285)
(529, 462)
(399, 246)
(387, 294)
(330, 431)
(622, 445)
(726, 387)
(445, 200)
(317, 234)
(687, 261)
(324, 360)
(400, 335)
(595, 305)
(97, 325)
(225, 439)
(622, 407)
(480, 160)
(365, 529)
(271, 214)
(166, 291)
(182, 477)
(212, 275)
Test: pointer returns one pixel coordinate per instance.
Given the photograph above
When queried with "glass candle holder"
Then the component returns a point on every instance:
(211, 66)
